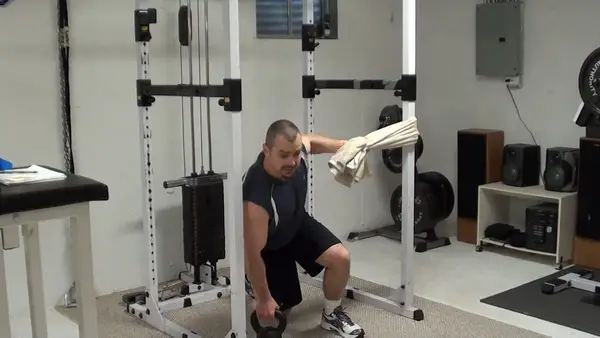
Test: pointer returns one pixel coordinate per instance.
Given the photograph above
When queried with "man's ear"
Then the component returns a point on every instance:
(265, 149)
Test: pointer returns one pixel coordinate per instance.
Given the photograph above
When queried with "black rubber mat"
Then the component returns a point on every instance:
(571, 307)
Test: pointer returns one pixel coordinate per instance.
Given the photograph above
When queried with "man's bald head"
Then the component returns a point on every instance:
(285, 128)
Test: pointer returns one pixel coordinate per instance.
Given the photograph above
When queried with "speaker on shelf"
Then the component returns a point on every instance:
(588, 194)
(479, 162)
(521, 165)
(562, 169)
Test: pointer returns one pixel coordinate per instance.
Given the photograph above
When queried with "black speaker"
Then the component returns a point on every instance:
(562, 169)
(521, 165)
(588, 195)
(479, 162)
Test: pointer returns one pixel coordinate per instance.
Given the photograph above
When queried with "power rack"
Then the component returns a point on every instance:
(401, 301)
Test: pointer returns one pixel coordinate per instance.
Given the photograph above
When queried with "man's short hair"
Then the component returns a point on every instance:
(286, 128)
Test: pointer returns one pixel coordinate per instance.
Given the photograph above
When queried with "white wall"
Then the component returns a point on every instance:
(105, 120)
(558, 37)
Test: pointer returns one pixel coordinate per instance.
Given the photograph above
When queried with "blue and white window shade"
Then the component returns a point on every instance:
(282, 18)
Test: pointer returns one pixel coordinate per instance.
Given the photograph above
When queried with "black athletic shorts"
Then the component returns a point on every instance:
(310, 242)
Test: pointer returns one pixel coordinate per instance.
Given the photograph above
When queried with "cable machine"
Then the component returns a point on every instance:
(202, 192)
(401, 301)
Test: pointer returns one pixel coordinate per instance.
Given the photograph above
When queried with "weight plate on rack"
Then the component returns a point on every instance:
(389, 115)
(589, 81)
(424, 202)
(392, 158)
(442, 190)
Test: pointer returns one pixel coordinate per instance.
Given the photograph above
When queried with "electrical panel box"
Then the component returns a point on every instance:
(499, 39)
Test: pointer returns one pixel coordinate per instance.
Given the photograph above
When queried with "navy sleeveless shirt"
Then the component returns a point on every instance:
(282, 199)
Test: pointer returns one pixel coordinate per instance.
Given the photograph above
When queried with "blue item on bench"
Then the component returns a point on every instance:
(5, 165)
(72, 190)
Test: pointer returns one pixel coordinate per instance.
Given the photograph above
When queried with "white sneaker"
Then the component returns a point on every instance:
(339, 321)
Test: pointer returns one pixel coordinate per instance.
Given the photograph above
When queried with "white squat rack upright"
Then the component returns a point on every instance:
(401, 301)
(153, 309)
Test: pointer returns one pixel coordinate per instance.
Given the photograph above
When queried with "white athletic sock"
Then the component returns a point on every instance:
(330, 305)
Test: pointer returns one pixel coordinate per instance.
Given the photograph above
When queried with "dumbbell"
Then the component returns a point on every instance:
(269, 331)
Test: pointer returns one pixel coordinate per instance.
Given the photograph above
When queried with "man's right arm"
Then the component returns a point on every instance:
(256, 226)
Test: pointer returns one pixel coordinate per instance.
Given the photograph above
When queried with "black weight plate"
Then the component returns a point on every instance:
(392, 158)
(423, 204)
(443, 190)
(438, 194)
(389, 115)
(589, 81)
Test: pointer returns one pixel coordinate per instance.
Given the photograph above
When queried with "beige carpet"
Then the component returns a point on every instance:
(213, 320)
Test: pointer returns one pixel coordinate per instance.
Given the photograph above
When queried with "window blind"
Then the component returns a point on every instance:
(282, 17)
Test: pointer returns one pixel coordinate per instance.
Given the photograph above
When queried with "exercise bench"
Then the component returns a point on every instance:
(28, 205)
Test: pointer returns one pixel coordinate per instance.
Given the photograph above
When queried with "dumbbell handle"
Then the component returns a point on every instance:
(278, 315)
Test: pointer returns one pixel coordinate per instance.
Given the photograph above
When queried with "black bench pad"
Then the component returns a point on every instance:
(72, 190)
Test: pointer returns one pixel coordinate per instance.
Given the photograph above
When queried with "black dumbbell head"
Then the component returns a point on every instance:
(255, 323)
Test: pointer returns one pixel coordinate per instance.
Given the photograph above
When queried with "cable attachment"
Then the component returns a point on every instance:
(309, 37)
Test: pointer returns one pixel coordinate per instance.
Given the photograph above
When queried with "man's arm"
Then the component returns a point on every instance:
(256, 226)
(316, 144)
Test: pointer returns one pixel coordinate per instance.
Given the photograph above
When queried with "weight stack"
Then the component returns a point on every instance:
(203, 220)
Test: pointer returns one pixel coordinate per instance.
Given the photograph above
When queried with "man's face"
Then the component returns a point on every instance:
(284, 156)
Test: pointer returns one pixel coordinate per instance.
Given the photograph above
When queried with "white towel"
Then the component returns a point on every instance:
(349, 164)
(29, 175)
